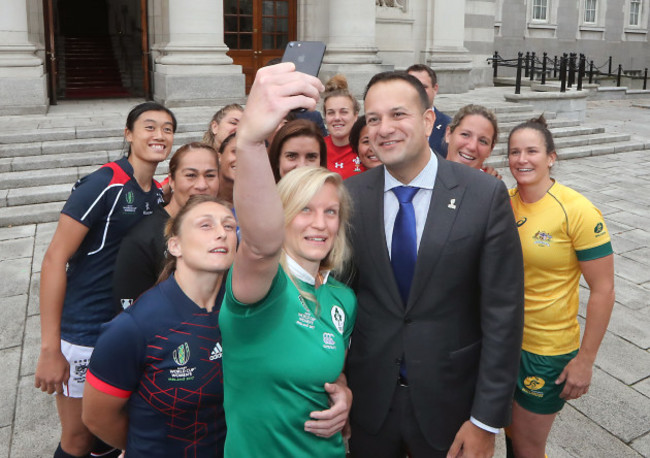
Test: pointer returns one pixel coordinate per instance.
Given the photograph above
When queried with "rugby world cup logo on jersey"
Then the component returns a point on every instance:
(129, 207)
(182, 354)
(542, 238)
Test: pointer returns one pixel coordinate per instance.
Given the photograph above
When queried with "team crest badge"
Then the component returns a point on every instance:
(338, 318)
(542, 238)
(182, 354)
(534, 383)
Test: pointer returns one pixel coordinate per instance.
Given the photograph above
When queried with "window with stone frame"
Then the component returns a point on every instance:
(589, 15)
(540, 10)
(635, 13)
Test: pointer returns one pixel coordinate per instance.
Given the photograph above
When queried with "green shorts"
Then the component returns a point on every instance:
(536, 389)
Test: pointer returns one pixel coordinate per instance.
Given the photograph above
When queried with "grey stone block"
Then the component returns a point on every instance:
(17, 232)
(629, 219)
(12, 325)
(643, 387)
(621, 359)
(36, 427)
(622, 244)
(630, 295)
(15, 275)
(578, 436)
(3, 197)
(38, 135)
(641, 255)
(616, 407)
(31, 346)
(16, 248)
(10, 358)
(630, 325)
(20, 149)
(5, 164)
(30, 178)
(59, 160)
(5, 440)
(632, 270)
(29, 214)
(38, 194)
(82, 145)
(642, 445)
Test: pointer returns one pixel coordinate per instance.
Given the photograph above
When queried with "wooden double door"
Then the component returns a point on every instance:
(257, 31)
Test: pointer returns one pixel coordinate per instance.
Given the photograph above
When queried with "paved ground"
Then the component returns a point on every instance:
(612, 420)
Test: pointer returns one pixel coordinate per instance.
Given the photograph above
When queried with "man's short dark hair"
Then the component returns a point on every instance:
(424, 68)
(400, 75)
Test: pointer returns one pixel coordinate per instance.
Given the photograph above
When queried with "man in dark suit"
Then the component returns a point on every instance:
(435, 350)
(427, 76)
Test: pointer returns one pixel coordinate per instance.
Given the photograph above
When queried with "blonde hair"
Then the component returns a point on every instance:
(208, 136)
(337, 86)
(297, 188)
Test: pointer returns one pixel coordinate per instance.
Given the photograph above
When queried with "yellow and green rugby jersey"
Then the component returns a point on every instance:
(557, 232)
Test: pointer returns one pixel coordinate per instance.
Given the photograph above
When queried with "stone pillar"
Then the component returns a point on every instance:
(351, 49)
(445, 51)
(193, 68)
(23, 85)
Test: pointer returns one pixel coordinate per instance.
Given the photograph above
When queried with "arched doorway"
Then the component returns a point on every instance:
(95, 48)
(257, 31)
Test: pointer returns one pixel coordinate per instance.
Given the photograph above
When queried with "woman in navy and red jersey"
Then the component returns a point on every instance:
(341, 110)
(155, 383)
(471, 136)
(76, 274)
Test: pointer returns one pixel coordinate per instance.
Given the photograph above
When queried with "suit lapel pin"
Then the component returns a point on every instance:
(452, 204)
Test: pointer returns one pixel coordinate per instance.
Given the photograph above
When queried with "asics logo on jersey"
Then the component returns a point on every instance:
(522, 221)
(217, 352)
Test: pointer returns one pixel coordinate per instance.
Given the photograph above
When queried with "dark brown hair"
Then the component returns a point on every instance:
(176, 159)
(173, 226)
(355, 133)
(296, 128)
(424, 68)
(538, 124)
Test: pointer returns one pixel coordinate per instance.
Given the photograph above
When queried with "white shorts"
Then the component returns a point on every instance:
(78, 357)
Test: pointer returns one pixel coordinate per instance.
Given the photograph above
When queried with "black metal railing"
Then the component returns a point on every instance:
(569, 69)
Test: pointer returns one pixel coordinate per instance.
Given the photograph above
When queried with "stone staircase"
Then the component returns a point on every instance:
(39, 165)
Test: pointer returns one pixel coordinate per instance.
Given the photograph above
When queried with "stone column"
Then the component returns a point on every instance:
(193, 68)
(445, 51)
(351, 49)
(23, 86)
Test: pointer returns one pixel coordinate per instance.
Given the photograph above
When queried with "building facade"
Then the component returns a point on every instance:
(206, 52)
(596, 28)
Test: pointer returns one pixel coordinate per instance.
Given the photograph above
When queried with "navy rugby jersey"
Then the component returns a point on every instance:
(164, 354)
(109, 202)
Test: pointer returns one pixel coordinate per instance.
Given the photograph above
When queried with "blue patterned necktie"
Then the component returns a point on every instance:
(404, 247)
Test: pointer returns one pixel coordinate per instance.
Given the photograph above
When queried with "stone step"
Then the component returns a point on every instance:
(553, 123)
(562, 143)
(558, 132)
(80, 145)
(30, 214)
(97, 131)
(59, 175)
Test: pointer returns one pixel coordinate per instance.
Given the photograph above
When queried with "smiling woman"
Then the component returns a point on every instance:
(341, 110)
(286, 323)
(193, 170)
(77, 270)
(471, 136)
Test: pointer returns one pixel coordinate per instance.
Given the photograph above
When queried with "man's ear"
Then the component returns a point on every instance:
(435, 89)
(173, 247)
(429, 121)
